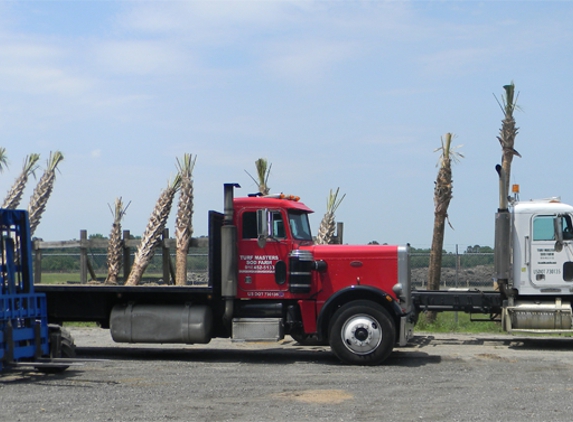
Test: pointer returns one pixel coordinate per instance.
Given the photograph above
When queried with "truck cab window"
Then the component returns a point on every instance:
(567, 227)
(543, 227)
(249, 225)
(299, 226)
(278, 225)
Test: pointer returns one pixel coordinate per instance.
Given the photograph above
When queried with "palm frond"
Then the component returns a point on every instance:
(3, 159)
(263, 172)
(448, 153)
(328, 224)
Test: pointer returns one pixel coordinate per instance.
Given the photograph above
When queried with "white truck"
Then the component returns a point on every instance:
(533, 270)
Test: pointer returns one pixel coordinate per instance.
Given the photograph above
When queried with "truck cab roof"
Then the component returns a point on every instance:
(271, 201)
(540, 206)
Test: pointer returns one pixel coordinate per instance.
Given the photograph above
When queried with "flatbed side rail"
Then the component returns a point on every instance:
(470, 301)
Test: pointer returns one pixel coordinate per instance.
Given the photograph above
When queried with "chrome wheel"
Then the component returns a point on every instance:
(361, 334)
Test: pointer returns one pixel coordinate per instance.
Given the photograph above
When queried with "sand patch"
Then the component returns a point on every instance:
(316, 396)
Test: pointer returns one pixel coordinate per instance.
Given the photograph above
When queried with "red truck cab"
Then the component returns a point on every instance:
(356, 298)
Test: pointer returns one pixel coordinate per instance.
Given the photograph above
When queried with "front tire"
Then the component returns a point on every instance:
(61, 346)
(362, 333)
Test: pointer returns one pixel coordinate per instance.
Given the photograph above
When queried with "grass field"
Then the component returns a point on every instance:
(449, 322)
(63, 278)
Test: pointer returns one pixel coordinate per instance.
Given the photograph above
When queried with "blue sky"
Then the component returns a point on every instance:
(353, 95)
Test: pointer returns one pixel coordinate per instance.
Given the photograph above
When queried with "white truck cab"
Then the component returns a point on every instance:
(541, 286)
(543, 262)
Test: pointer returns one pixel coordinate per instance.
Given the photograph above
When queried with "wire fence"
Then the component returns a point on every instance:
(459, 270)
(473, 268)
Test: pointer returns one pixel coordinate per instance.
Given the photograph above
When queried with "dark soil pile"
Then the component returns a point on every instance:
(480, 276)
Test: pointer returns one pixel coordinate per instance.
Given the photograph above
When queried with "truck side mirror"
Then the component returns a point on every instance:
(558, 232)
(262, 227)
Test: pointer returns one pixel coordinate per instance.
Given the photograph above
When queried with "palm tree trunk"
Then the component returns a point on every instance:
(152, 235)
(115, 246)
(114, 256)
(43, 190)
(14, 195)
(442, 198)
(435, 268)
(508, 131)
(184, 221)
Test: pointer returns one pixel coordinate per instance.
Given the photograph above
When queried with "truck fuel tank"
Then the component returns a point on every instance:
(161, 324)
(539, 316)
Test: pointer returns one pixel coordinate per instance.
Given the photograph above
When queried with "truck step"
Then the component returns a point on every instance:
(258, 329)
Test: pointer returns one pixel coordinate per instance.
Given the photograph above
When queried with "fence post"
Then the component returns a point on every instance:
(457, 279)
(126, 256)
(339, 240)
(83, 257)
(166, 260)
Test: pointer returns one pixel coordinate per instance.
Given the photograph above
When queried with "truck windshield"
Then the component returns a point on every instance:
(299, 225)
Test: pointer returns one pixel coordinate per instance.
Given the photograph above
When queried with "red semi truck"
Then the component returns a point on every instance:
(266, 279)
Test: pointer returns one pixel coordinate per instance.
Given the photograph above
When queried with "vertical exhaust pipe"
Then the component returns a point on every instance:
(502, 256)
(229, 258)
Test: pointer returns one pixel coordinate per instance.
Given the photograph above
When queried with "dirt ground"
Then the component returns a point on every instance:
(435, 378)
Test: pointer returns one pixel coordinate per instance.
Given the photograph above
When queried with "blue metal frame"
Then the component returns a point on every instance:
(24, 333)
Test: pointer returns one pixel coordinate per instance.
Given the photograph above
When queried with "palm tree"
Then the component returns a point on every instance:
(14, 195)
(115, 246)
(43, 190)
(442, 196)
(263, 173)
(328, 224)
(184, 220)
(508, 131)
(152, 235)
(3, 159)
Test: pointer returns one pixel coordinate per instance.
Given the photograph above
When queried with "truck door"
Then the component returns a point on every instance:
(551, 268)
(257, 265)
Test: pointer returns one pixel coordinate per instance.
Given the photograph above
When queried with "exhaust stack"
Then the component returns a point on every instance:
(229, 263)
(502, 257)
(229, 259)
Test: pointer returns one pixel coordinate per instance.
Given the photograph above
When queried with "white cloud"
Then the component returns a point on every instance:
(456, 60)
(35, 67)
(307, 59)
(205, 20)
(140, 57)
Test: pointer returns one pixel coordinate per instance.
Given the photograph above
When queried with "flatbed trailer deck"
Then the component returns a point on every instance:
(93, 303)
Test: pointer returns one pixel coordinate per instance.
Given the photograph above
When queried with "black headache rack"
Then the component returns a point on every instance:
(469, 301)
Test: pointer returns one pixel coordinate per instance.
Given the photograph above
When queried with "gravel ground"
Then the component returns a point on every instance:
(435, 378)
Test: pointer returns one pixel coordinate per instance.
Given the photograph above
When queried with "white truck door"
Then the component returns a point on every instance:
(549, 268)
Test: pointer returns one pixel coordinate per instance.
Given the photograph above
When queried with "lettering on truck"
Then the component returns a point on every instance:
(260, 264)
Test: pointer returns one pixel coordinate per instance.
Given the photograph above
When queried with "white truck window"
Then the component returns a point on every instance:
(543, 228)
